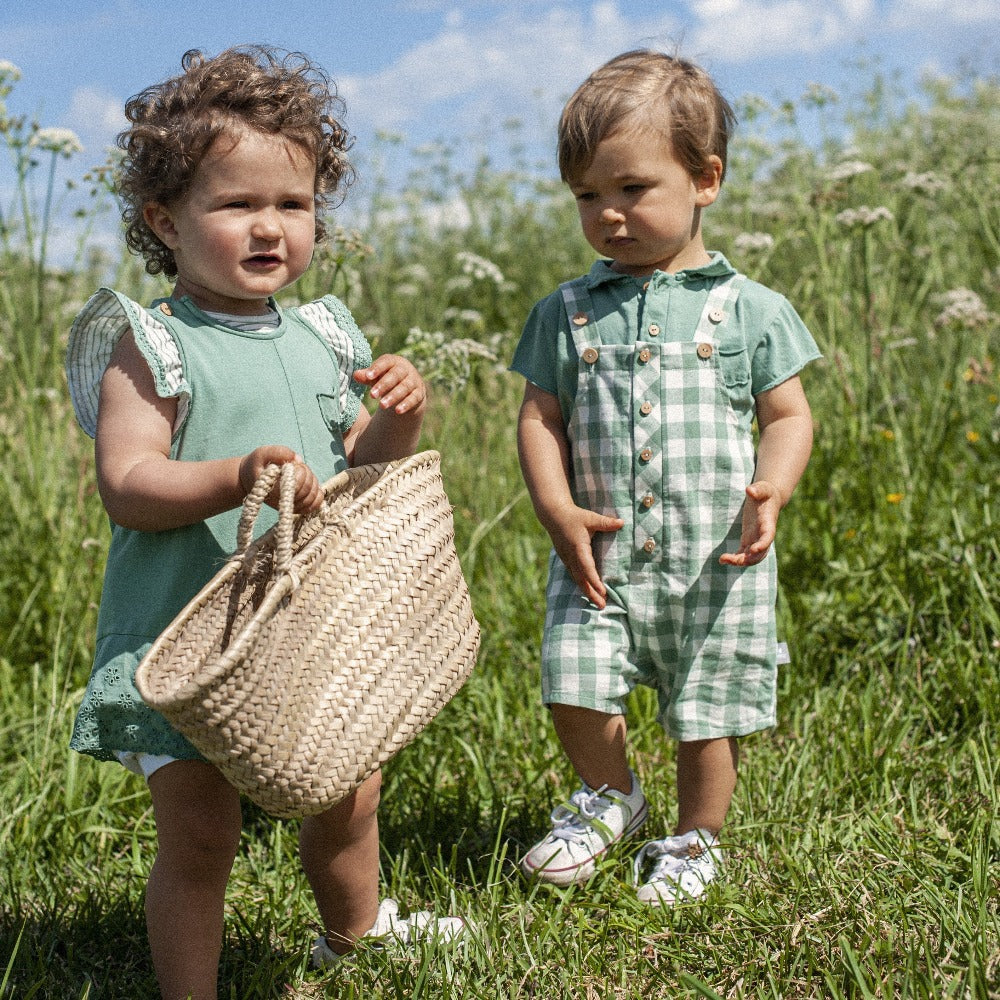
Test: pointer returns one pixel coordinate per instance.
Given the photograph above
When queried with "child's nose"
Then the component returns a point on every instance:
(266, 225)
(611, 213)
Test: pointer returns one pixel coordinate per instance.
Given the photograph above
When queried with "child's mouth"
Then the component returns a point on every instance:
(263, 260)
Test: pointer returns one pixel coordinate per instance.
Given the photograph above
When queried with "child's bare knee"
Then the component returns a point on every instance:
(350, 818)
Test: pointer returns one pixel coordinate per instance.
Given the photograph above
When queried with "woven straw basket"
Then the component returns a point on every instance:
(323, 648)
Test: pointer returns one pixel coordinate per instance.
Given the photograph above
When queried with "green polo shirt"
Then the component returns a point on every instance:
(778, 343)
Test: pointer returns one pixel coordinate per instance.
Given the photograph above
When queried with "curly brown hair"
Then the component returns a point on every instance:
(174, 123)
(649, 90)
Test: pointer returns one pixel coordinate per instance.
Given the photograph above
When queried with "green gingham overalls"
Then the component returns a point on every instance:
(661, 436)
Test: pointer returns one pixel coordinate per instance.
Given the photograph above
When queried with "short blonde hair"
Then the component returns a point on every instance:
(648, 91)
(174, 123)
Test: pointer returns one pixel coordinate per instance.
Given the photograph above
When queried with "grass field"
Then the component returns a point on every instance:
(864, 843)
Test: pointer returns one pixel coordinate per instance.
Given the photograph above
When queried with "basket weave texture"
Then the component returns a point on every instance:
(323, 648)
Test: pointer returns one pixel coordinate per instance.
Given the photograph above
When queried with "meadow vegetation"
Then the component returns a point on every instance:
(864, 842)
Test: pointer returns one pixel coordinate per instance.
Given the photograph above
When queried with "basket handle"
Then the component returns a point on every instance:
(252, 504)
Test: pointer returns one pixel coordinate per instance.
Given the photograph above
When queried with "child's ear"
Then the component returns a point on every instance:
(708, 184)
(157, 216)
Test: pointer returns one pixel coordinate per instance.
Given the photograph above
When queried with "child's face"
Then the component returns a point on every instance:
(641, 207)
(246, 227)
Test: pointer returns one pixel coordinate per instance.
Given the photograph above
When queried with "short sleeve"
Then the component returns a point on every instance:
(95, 332)
(333, 321)
(782, 347)
(545, 354)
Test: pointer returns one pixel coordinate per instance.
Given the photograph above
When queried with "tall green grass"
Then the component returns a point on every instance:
(864, 841)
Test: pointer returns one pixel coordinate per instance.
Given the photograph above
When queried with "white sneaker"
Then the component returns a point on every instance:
(391, 929)
(582, 830)
(683, 866)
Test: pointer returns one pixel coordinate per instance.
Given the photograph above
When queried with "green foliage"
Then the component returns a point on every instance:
(865, 847)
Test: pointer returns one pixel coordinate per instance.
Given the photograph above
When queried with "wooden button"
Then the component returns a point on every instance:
(648, 500)
(705, 350)
(581, 319)
(165, 309)
(644, 355)
(646, 408)
(649, 545)
(590, 355)
(654, 330)
(646, 454)
(716, 315)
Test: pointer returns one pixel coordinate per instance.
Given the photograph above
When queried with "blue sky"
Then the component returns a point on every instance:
(441, 69)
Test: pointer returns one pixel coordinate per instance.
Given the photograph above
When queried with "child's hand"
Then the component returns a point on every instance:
(760, 521)
(308, 491)
(572, 529)
(395, 383)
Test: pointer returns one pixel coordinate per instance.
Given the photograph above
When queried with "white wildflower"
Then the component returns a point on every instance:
(847, 169)
(460, 283)
(818, 95)
(416, 272)
(407, 290)
(445, 362)
(926, 183)
(863, 216)
(57, 140)
(479, 267)
(754, 242)
(962, 307)
(472, 317)
(752, 106)
(8, 71)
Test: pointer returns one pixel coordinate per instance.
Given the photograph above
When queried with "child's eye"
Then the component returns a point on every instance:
(634, 188)
(585, 196)
(295, 205)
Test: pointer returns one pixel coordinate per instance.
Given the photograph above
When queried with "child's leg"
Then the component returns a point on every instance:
(610, 808)
(706, 779)
(198, 826)
(595, 745)
(339, 850)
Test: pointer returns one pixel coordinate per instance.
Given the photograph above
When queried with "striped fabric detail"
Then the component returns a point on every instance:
(95, 332)
(334, 323)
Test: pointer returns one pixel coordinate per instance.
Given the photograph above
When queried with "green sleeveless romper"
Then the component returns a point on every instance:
(236, 391)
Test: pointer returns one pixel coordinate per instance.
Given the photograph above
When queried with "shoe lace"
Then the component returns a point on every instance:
(572, 821)
(669, 856)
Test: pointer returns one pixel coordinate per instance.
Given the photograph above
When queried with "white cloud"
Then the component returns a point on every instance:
(97, 117)
(926, 15)
(493, 61)
(496, 68)
(740, 32)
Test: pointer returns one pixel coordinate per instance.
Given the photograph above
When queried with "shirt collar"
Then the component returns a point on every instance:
(718, 267)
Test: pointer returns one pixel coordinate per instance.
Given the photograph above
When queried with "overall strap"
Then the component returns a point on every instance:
(718, 308)
(579, 312)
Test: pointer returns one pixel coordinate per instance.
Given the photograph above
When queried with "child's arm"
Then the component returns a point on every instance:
(786, 434)
(394, 429)
(544, 453)
(141, 486)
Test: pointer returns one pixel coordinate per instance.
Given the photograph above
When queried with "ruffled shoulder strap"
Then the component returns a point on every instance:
(92, 338)
(333, 321)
